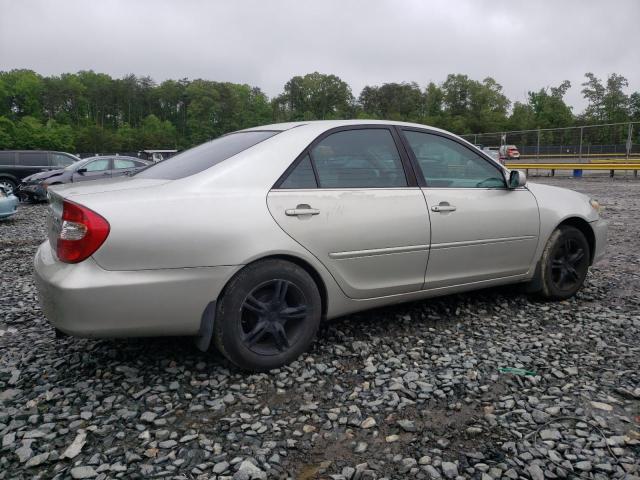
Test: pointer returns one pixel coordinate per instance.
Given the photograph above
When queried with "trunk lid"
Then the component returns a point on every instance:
(102, 186)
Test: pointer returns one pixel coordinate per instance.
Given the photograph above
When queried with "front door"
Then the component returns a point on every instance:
(94, 170)
(348, 202)
(480, 230)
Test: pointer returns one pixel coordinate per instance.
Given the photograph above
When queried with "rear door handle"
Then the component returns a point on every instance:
(302, 209)
(443, 207)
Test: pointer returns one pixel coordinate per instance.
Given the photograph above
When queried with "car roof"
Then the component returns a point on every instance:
(328, 124)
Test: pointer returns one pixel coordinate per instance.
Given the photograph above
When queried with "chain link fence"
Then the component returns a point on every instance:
(607, 141)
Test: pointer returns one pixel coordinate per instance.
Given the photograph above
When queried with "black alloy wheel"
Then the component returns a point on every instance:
(564, 263)
(268, 315)
(272, 317)
(567, 264)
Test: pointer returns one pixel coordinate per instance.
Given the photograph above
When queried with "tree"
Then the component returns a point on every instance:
(315, 96)
(7, 133)
(155, 133)
(615, 101)
(393, 101)
(433, 102)
(471, 106)
(634, 107)
(606, 102)
(522, 117)
(22, 93)
(549, 108)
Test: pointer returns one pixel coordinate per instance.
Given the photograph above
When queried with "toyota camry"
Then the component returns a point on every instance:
(249, 241)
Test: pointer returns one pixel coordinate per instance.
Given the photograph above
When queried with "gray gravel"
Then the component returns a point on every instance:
(413, 391)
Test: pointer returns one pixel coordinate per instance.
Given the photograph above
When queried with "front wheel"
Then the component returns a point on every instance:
(8, 185)
(564, 263)
(268, 315)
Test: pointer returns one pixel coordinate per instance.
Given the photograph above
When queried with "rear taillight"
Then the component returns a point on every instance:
(80, 233)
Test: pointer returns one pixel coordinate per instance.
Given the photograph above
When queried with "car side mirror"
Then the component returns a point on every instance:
(517, 178)
(81, 171)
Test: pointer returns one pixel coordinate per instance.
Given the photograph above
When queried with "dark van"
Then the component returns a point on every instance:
(17, 164)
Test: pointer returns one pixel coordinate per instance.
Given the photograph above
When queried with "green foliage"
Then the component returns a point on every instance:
(548, 107)
(315, 96)
(393, 101)
(607, 102)
(93, 112)
(155, 133)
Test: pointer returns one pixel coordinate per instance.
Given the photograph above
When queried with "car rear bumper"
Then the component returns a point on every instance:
(600, 228)
(87, 301)
(8, 206)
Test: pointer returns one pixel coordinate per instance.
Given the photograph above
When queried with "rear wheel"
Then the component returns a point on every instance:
(564, 263)
(268, 316)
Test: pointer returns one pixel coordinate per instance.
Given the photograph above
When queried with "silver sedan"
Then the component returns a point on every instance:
(249, 241)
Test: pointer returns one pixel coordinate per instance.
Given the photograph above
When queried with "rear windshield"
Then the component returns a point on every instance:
(204, 156)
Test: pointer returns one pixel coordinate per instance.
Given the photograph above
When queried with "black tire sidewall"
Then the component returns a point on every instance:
(549, 288)
(227, 326)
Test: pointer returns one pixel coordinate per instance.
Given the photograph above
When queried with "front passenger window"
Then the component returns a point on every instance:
(447, 164)
(97, 165)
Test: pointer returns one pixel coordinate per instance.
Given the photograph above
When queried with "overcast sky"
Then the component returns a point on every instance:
(524, 45)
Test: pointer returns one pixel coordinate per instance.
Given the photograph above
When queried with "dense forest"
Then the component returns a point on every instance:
(93, 112)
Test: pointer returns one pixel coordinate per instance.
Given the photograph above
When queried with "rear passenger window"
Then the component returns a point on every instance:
(7, 158)
(302, 176)
(33, 159)
(364, 158)
(120, 163)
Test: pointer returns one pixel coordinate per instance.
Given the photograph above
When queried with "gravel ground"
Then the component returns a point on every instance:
(413, 391)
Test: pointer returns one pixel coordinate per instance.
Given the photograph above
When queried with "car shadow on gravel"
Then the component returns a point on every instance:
(438, 312)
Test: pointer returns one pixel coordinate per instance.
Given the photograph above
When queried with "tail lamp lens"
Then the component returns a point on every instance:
(81, 233)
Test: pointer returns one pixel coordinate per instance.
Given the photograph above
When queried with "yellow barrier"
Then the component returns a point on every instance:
(612, 167)
(574, 166)
(576, 155)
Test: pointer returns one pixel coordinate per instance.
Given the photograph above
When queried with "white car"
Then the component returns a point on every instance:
(252, 239)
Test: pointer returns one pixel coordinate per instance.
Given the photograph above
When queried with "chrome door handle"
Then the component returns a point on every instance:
(443, 207)
(302, 209)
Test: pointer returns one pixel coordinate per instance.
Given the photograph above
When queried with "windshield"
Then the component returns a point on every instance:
(204, 156)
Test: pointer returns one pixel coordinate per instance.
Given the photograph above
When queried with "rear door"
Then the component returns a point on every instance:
(121, 166)
(480, 230)
(350, 200)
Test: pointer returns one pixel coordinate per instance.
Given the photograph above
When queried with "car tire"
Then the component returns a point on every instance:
(10, 184)
(564, 263)
(268, 315)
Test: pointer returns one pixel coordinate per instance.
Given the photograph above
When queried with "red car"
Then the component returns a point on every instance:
(509, 152)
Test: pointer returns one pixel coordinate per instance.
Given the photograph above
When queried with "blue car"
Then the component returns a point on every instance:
(8, 203)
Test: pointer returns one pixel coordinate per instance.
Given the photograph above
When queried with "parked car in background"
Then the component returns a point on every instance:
(8, 203)
(251, 239)
(157, 155)
(509, 152)
(493, 152)
(34, 187)
(15, 165)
